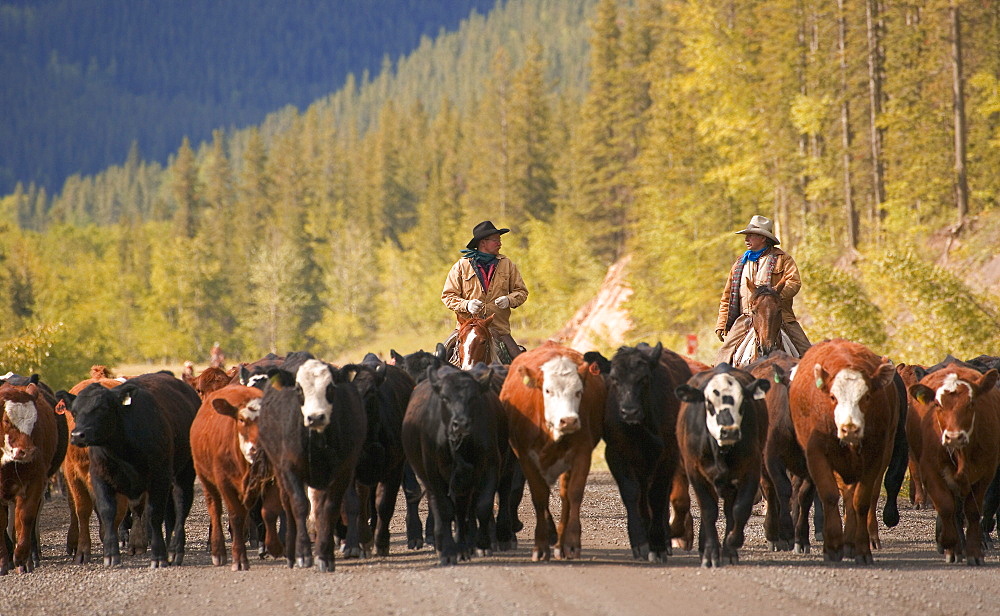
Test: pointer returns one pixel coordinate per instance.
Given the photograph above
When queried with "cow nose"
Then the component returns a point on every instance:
(460, 427)
(729, 433)
(568, 425)
(316, 421)
(78, 438)
(955, 439)
(850, 432)
(631, 414)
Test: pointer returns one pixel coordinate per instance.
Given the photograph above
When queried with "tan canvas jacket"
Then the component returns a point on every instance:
(463, 284)
(785, 268)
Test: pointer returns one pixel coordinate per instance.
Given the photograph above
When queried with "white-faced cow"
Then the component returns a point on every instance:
(312, 429)
(721, 429)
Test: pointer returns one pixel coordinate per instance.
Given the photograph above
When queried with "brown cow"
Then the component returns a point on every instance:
(223, 445)
(211, 379)
(555, 403)
(80, 492)
(29, 435)
(845, 408)
(959, 412)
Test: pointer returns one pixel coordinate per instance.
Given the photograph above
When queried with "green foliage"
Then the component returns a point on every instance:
(839, 306)
(931, 310)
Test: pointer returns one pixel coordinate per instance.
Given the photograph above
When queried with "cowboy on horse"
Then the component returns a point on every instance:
(762, 265)
(484, 284)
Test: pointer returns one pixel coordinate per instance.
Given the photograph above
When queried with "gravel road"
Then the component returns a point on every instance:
(908, 577)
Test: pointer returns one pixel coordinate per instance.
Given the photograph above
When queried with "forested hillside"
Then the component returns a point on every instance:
(84, 79)
(870, 132)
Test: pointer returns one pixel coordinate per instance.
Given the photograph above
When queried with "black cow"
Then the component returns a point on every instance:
(385, 391)
(721, 429)
(312, 428)
(640, 423)
(138, 440)
(451, 438)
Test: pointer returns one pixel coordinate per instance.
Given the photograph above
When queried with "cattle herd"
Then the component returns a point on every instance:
(306, 459)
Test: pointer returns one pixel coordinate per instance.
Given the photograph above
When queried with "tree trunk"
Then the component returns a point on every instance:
(961, 181)
(874, 21)
(845, 129)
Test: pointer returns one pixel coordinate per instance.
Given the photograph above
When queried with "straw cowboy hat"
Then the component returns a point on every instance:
(761, 225)
(483, 229)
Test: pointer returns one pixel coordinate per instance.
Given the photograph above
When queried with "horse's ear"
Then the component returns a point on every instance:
(462, 321)
(488, 319)
(751, 286)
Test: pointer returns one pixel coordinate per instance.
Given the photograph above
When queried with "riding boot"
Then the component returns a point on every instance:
(512, 347)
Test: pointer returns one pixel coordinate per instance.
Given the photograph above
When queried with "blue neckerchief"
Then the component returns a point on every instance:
(482, 258)
(753, 256)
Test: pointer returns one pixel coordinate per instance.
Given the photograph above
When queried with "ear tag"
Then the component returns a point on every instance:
(127, 401)
(777, 379)
(527, 380)
(819, 383)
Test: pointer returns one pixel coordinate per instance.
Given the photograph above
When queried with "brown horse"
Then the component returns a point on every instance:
(764, 334)
(474, 343)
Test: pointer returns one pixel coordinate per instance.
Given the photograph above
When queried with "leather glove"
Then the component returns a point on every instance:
(473, 306)
(502, 302)
(721, 334)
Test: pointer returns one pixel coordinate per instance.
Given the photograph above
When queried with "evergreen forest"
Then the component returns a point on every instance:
(596, 130)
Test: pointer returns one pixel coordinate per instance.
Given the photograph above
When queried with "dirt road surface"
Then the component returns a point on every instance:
(909, 577)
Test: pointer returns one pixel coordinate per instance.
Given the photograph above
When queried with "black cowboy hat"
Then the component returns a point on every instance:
(483, 229)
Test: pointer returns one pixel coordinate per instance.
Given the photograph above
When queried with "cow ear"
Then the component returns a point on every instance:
(244, 375)
(689, 393)
(779, 375)
(884, 374)
(987, 382)
(432, 376)
(921, 393)
(346, 373)
(441, 352)
(822, 376)
(65, 401)
(485, 379)
(124, 393)
(32, 388)
(595, 359)
(759, 388)
(380, 373)
(530, 378)
(222, 407)
(280, 379)
(651, 354)
(397, 359)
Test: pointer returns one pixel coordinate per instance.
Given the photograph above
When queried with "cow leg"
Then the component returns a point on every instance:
(297, 542)
(484, 532)
(896, 470)
(973, 518)
(803, 493)
(829, 494)
(444, 515)
(918, 496)
(26, 511)
(106, 503)
(780, 510)
(847, 494)
(216, 539)
(5, 556)
(681, 521)
(571, 487)
(357, 542)
(238, 518)
(413, 493)
(510, 490)
(158, 501)
(182, 491)
(862, 504)
(631, 493)
(739, 513)
(270, 512)
(659, 526)
(991, 502)
(138, 541)
(385, 505)
(708, 534)
(328, 508)
(543, 518)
